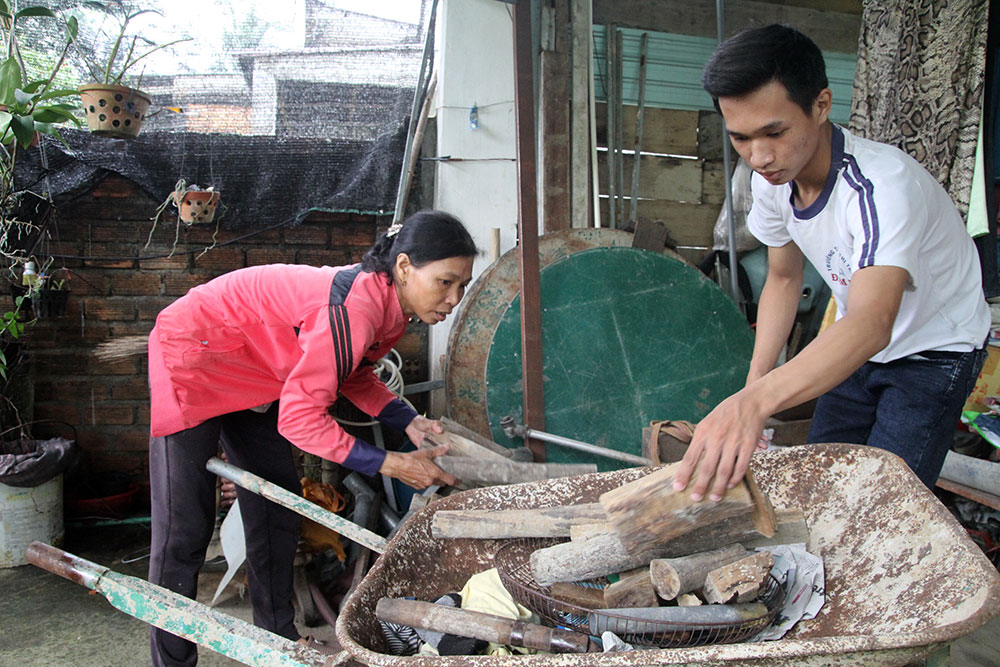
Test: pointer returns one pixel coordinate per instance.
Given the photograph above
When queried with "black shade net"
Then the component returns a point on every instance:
(282, 113)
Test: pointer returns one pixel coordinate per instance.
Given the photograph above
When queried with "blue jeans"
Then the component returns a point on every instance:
(909, 407)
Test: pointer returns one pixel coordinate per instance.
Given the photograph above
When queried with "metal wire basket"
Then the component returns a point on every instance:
(512, 563)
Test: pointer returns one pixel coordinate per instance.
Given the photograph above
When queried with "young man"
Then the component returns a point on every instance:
(896, 367)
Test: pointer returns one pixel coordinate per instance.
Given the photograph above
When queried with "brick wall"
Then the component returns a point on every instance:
(114, 295)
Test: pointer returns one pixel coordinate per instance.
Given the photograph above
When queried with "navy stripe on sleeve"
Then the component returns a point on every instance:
(364, 458)
(866, 203)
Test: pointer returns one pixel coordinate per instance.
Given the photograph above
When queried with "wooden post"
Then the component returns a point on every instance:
(527, 222)
(554, 116)
(740, 580)
(673, 576)
(581, 78)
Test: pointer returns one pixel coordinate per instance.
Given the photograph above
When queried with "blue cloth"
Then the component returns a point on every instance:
(396, 415)
(909, 407)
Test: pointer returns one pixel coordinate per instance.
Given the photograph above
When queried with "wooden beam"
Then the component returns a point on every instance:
(554, 116)
(580, 78)
(527, 225)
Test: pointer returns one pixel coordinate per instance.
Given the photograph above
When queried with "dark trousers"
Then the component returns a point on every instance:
(909, 407)
(183, 519)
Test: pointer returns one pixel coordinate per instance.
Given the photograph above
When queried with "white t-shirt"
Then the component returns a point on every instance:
(880, 207)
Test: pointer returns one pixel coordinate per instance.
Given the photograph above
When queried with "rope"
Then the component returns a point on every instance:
(390, 372)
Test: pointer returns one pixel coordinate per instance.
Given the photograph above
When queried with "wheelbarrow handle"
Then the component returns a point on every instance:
(66, 565)
(297, 503)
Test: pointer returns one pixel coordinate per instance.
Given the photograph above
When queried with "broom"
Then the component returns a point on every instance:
(122, 348)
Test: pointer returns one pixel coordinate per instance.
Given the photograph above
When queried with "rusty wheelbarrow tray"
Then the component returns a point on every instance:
(902, 577)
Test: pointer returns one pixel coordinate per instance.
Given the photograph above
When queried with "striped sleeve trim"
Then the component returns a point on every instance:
(340, 329)
(866, 204)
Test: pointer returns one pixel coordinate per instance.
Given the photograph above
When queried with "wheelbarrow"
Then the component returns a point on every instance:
(903, 580)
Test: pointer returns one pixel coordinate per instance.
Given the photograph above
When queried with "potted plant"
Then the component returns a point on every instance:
(112, 108)
(194, 205)
(29, 105)
(49, 291)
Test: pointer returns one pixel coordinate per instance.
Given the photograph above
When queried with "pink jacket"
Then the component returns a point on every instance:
(297, 334)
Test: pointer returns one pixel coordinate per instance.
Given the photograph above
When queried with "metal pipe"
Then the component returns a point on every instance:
(734, 286)
(177, 614)
(515, 430)
(297, 504)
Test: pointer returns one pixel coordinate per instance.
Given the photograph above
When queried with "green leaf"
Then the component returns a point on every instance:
(23, 128)
(35, 11)
(72, 29)
(4, 8)
(10, 80)
(22, 97)
(59, 92)
(53, 114)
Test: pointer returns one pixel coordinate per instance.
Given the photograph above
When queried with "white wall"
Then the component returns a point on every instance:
(475, 52)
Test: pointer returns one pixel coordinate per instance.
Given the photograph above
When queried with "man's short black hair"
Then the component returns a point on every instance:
(754, 57)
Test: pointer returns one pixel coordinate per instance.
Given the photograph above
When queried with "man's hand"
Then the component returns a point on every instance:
(417, 469)
(721, 447)
(420, 427)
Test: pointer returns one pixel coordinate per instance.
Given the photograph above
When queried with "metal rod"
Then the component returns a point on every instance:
(418, 95)
(297, 504)
(640, 114)
(734, 287)
(514, 430)
(177, 614)
(527, 222)
(610, 89)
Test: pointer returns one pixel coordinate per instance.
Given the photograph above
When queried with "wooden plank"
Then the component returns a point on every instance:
(554, 121)
(500, 524)
(672, 178)
(834, 26)
(981, 497)
(687, 224)
(670, 131)
(650, 235)
(580, 79)
(713, 182)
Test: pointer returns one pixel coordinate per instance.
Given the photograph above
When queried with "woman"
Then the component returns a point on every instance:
(253, 360)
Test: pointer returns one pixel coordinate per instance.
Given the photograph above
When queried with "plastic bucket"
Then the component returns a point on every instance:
(28, 514)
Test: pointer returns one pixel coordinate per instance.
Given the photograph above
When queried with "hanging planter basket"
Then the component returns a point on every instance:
(196, 206)
(114, 111)
(49, 302)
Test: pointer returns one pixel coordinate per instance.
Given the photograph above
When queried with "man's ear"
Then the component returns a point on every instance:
(823, 105)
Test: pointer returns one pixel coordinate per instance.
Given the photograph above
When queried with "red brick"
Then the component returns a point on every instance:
(111, 308)
(60, 363)
(132, 440)
(260, 256)
(177, 284)
(180, 261)
(131, 389)
(123, 329)
(327, 216)
(64, 412)
(270, 237)
(150, 307)
(129, 366)
(132, 232)
(338, 257)
(352, 234)
(109, 413)
(206, 235)
(137, 283)
(63, 389)
(305, 234)
(224, 259)
(142, 414)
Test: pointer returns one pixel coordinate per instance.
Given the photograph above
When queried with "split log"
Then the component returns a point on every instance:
(460, 446)
(452, 426)
(792, 529)
(741, 580)
(499, 524)
(688, 600)
(577, 595)
(673, 576)
(602, 554)
(581, 531)
(648, 512)
(633, 589)
(639, 620)
(503, 471)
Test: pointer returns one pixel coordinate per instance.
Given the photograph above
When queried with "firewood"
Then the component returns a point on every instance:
(499, 524)
(578, 595)
(648, 512)
(602, 554)
(633, 589)
(581, 531)
(688, 600)
(741, 580)
(504, 471)
(673, 576)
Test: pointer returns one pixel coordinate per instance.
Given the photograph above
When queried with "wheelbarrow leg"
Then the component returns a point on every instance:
(177, 614)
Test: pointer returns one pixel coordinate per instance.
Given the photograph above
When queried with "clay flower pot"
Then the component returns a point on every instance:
(196, 205)
(114, 111)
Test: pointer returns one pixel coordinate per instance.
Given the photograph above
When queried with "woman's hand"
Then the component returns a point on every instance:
(417, 469)
(420, 427)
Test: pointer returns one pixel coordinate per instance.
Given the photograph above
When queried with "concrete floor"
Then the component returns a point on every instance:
(46, 620)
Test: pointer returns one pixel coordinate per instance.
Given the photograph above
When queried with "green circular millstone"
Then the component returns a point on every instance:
(628, 336)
